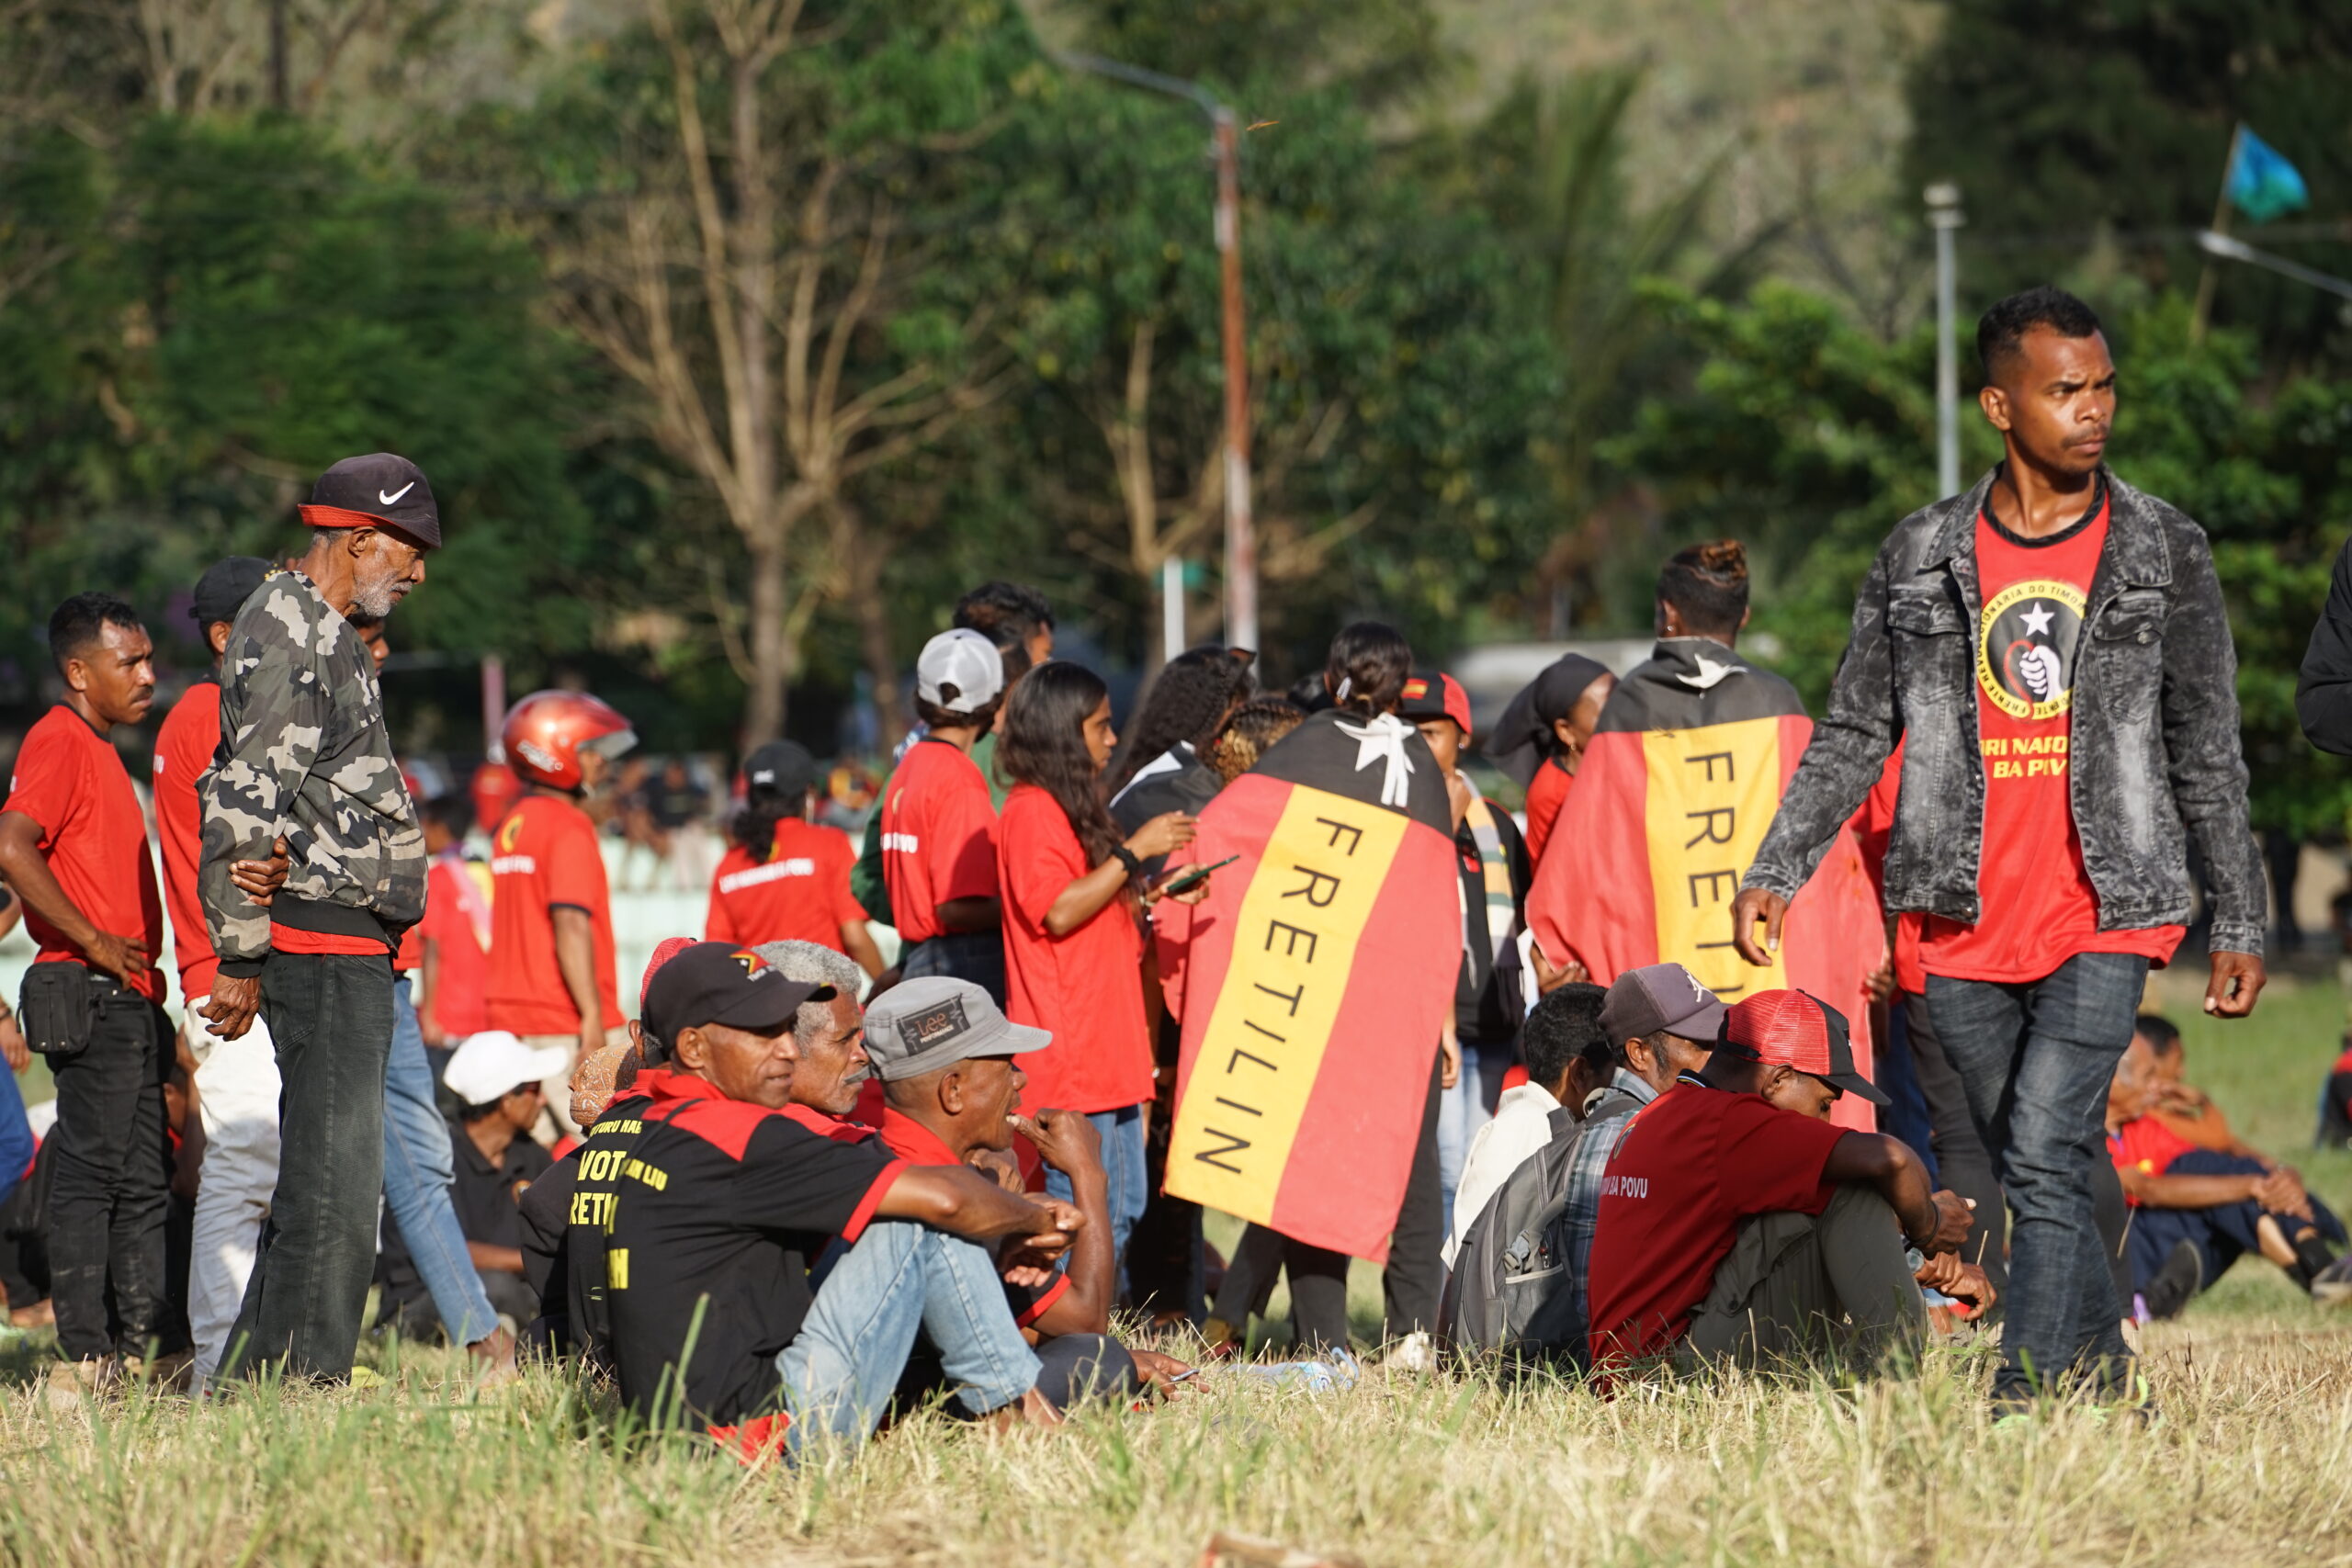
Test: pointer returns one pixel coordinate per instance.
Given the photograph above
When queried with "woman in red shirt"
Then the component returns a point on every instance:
(786, 878)
(1543, 733)
(1073, 948)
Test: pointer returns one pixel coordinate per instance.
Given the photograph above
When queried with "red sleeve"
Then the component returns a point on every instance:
(1042, 856)
(964, 831)
(1771, 1159)
(838, 861)
(48, 786)
(439, 905)
(575, 872)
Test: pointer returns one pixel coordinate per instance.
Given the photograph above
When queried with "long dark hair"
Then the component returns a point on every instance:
(1189, 701)
(1368, 667)
(754, 826)
(1044, 743)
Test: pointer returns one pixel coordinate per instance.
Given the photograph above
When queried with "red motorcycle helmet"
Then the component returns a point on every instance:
(547, 731)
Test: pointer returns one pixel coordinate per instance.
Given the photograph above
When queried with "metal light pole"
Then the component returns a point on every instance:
(1943, 217)
(1225, 149)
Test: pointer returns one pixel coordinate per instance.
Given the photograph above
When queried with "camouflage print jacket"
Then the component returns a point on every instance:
(304, 753)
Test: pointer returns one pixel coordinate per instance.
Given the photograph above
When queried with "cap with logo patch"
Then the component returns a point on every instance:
(373, 491)
(1660, 999)
(716, 982)
(921, 1026)
(781, 770)
(1791, 1028)
(1435, 696)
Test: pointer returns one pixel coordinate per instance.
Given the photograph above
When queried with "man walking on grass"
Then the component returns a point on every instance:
(2052, 650)
(304, 754)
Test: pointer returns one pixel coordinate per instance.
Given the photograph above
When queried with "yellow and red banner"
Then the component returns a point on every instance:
(1670, 803)
(1313, 984)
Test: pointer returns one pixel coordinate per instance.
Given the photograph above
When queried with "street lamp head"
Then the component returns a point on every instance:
(1943, 205)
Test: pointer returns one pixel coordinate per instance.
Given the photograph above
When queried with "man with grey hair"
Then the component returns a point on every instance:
(304, 755)
(830, 1031)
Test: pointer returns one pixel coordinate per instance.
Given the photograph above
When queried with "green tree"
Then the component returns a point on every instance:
(201, 319)
(2060, 121)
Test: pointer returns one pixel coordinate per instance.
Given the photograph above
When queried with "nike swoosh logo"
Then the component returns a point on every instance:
(383, 500)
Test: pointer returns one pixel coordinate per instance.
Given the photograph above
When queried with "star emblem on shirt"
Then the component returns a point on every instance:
(2037, 619)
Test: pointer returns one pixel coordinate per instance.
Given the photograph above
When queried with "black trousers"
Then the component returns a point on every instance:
(110, 1187)
(1409, 1286)
(331, 1021)
(1963, 1162)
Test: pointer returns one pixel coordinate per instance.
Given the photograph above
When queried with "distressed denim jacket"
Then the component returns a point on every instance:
(2154, 751)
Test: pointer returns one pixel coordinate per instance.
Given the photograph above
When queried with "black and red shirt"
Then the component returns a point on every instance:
(684, 1199)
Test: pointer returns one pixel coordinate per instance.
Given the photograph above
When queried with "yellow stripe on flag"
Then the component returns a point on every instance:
(1294, 942)
(1711, 794)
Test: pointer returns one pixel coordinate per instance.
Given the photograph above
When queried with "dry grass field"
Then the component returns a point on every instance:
(2251, 1464)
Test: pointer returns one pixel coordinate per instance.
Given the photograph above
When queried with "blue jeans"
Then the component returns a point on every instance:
(1464, 1108)
(1127, 1177)
(840, 1371)
(2035, 1061)
(417, 1173)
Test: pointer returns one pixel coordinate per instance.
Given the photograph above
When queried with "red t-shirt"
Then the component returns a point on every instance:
(2147, 1145)
(2037, 905)
(545, 854)
(1687, 1168)
(938, 837)
(799, 893)
(455, 916)
(70, 779)
(1546, 793)
(184, 747)
(1086, 986)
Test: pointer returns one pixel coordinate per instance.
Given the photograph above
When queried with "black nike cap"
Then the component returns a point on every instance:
(372, 492)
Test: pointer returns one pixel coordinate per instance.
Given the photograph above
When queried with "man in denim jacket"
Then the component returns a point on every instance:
(2050, 649)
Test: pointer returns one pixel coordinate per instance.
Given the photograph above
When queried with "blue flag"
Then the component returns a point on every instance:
(2263, 185)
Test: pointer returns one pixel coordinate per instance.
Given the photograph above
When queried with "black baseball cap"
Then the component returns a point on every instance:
(780, 768)
(370, 491)
(225, 586)
(716, 982)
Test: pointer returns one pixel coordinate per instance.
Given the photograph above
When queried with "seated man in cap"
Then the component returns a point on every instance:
(496, 1080)
(1624, 1047)
(699, 1203)
(1737, 1223)
(950, 1090)
(546, 1206)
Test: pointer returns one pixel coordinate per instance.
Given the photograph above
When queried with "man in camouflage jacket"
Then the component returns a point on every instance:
(304, 754)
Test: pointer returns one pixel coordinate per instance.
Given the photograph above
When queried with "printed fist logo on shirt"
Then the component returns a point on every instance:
(2025, 658)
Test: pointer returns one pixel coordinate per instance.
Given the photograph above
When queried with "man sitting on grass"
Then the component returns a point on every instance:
(1736, 1224)
(951, 1091)
(1568, 1062)
(699, 1203)
(2196, 1208)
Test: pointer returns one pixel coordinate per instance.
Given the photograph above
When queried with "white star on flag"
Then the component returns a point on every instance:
(2037, 620)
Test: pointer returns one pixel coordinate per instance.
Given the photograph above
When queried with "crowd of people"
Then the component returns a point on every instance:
(799, 1180)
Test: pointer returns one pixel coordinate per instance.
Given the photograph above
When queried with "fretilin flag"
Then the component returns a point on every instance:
(1668, 809)
(1313, 982)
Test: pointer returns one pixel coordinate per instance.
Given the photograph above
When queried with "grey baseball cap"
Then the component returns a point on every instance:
(921, 1026)
(1660, 998)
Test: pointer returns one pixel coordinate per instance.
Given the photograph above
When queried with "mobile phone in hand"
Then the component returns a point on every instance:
(1185, 881)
